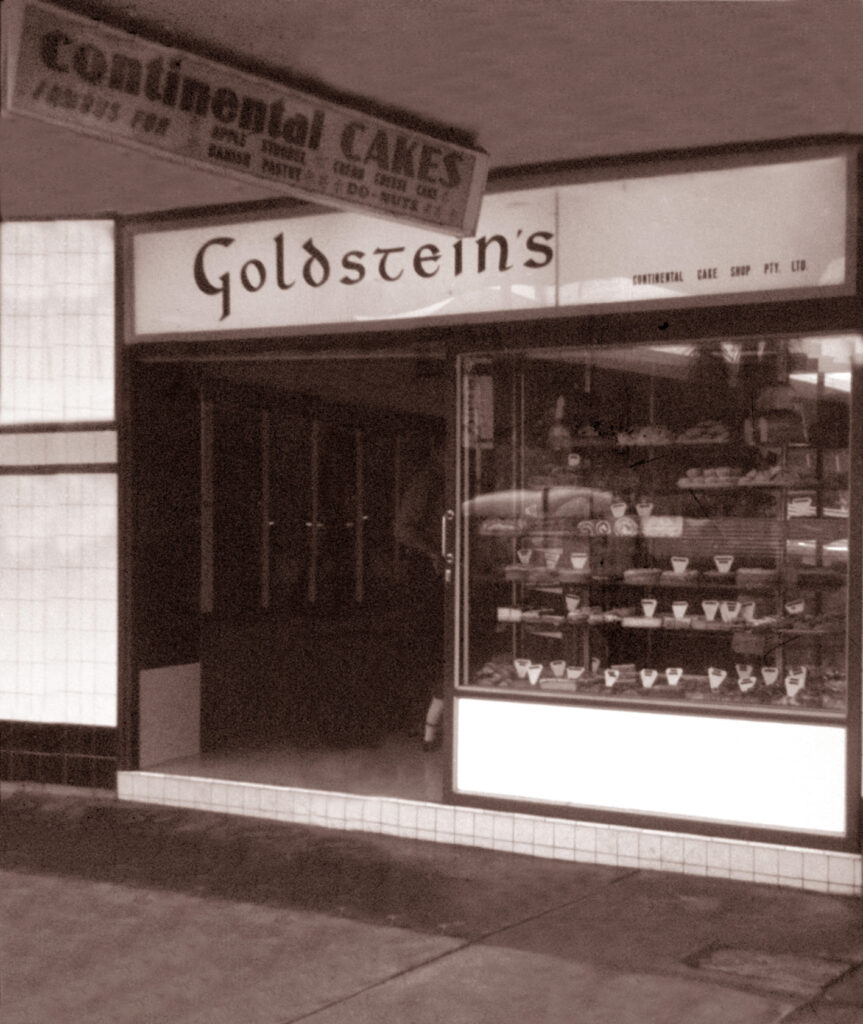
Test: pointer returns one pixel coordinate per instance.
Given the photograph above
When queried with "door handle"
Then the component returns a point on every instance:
(446, 554)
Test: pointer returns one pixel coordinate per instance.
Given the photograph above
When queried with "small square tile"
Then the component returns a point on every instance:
(318, 806)
(408, 815)
(268, 800)
(371, 810)
(522, 829)
(426, 818)
(541, 850)
(585, 856)
(302, 809)
(814, 867)
(543, 832)
(445, 820)
(790, 864)
(285, 804)
(741, 875)
(742, 858)
(464, 823)
(155, 786)
(426, 835)
(766, 861)
(201, 795)
(389, 812)
(840, 870)
(606, 858)
(125, 786)
(353, 810)
(627, 844)
(624, 861)
(483, 825)
(251, 799)
(606, 844)
(217, 795)
(585, 839)
(718, 855)
(564, 835)
(649, 847)
(220, 795)
(502, 828)
(336, 808)
(526, 848)
(695, 852)
(671, 850)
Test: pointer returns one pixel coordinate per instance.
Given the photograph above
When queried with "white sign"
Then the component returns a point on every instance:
(85, 76)
(732, 234)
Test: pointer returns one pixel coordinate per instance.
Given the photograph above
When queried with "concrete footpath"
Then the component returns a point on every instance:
(119, 912)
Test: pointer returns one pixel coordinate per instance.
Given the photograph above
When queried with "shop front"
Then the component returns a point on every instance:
(646, 378)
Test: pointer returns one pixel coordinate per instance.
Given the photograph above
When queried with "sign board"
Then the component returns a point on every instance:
(731, 234)
(85, 76)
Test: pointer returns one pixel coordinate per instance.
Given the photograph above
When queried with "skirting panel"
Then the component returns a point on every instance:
(766, 774)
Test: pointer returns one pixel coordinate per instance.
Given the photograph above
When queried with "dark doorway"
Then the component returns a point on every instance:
(287, 558)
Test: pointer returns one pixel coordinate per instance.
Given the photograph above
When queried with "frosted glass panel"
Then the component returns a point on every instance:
(58, 598)
(56, 322)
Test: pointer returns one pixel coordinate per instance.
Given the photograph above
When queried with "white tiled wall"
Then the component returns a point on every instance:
(58, 531)
(838, 873)
(57, 321)
(58, 598)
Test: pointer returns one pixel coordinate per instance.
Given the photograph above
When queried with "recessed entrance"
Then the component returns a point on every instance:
(266, 550)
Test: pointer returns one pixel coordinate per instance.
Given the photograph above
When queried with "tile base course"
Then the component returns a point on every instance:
(590, 843)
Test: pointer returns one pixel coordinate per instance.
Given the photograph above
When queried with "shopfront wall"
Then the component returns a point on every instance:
(754, 250)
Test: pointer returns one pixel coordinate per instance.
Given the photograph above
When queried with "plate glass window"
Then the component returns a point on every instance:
(659, 524)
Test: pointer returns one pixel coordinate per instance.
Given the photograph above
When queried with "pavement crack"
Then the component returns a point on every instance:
(466, 944)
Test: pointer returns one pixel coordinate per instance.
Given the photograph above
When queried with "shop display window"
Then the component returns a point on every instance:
(658, 524)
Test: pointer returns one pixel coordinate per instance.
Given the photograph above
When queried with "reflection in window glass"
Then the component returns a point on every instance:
(56, 322)
(659, 523)
(58, 598)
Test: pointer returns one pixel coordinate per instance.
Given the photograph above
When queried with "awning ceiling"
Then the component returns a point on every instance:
(528, 82)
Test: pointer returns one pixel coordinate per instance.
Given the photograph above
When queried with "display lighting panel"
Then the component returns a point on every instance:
(56, 322)
(780, 775)
(58, 598)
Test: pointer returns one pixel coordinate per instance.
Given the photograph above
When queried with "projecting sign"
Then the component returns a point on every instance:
(85, 76)
(731, 234)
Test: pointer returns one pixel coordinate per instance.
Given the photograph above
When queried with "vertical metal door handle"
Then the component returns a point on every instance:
(446, 554)
(445, 520)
